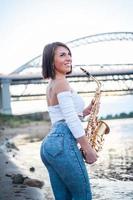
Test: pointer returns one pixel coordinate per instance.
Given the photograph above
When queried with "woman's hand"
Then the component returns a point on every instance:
(87, 110)
(89, 153)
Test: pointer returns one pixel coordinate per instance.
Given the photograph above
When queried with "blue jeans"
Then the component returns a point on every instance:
(64, 162)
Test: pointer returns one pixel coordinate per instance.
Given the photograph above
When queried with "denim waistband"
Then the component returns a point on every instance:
(63, 122)
(61, 127)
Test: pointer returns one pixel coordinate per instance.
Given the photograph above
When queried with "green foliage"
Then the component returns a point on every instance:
(13, 121)
(119, 116)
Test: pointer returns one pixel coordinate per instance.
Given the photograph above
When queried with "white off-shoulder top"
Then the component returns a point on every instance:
(70, 106)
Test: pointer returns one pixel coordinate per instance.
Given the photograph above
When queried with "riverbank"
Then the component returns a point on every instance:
(19, 153)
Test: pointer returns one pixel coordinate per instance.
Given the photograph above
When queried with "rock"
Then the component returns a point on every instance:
(9, 174)
(33, 183)
(11, 146)
(18, 179)
(2, 128)
(32, 169)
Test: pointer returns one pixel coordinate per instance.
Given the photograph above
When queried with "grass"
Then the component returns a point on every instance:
(13, 121)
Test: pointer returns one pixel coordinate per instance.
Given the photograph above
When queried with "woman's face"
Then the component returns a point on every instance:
(62, 60)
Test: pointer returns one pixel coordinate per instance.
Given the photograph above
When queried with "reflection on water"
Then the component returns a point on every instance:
(115, 164)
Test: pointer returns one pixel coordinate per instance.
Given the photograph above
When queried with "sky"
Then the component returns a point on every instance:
(27, 26)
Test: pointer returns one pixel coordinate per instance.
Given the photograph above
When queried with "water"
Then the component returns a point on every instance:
(111, 176)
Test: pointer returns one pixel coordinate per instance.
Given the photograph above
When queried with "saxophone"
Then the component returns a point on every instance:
(96, 129)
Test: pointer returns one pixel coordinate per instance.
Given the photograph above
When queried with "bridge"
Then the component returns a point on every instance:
(116, 79)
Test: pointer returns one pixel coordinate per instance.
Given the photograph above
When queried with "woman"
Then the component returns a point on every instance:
(59, 151)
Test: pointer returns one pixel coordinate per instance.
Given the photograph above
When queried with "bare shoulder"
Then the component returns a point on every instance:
(61, 86)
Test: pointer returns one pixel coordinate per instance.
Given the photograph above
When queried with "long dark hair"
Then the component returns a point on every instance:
(48, 70)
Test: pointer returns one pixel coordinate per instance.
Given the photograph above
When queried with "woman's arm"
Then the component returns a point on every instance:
(67, 108)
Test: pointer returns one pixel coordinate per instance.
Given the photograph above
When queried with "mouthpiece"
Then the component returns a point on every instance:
(90, 76)
(87, 73)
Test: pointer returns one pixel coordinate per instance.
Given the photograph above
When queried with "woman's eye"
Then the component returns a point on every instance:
(63, 54)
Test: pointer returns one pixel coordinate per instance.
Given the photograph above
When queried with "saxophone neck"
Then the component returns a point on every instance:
(93, 78)
(97, 82)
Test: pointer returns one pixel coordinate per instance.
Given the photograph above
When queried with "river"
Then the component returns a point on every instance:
(112, 176)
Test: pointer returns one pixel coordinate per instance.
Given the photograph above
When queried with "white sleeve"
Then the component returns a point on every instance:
(71, 117)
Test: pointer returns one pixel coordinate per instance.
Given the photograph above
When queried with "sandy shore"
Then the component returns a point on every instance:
(19, 154)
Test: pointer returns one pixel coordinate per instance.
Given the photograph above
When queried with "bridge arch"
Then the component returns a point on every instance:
(121, 36)
(111, 36)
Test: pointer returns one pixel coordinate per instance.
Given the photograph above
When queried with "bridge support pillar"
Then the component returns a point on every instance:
(5, 98)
